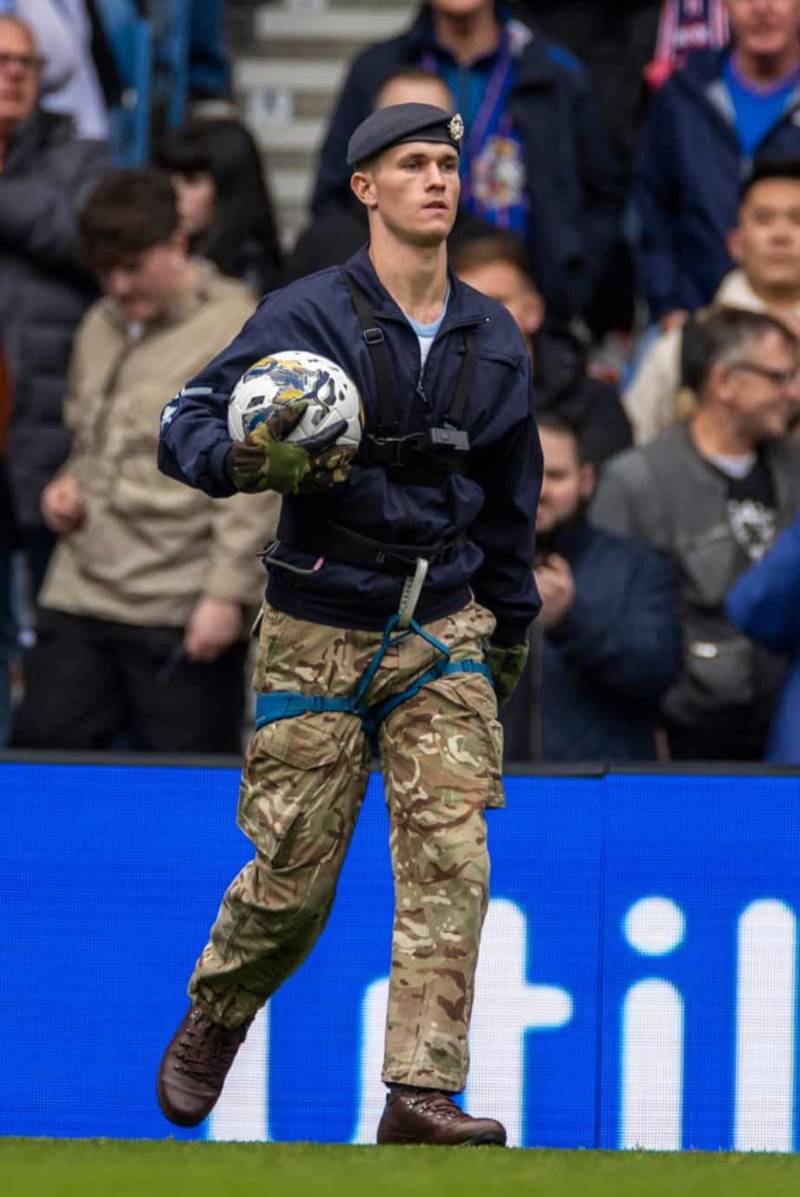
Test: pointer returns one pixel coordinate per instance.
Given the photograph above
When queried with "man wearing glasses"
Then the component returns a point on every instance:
(712, 493)
(44, 291)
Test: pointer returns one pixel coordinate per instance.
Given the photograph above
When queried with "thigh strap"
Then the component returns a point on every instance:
(286, 704)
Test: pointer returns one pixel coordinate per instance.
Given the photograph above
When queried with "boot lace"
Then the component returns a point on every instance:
(206, 1050)
(438, 1105)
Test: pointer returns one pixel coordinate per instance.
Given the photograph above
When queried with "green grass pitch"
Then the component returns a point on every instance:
(105, 1168)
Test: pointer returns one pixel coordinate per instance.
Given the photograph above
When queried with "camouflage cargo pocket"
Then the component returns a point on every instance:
(287, 763)
(448, 741)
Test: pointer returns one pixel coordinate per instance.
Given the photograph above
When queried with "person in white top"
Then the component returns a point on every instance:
(766, 244)
(69, 80)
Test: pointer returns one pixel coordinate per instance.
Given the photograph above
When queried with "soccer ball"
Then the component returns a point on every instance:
(296, 374)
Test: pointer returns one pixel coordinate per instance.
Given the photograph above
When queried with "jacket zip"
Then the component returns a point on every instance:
(464, 322)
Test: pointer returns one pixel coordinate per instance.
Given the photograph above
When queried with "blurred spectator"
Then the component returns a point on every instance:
(711, 493)
(225, 208)
(765, 603)
(143, 604)
(69, 79)
(8, 634)
(615, 40)
(43, 294)
(536, 159)
(494, 263)
(705, 126)
(610, 620)
(209, 51)
(334, 236)
(766, 246)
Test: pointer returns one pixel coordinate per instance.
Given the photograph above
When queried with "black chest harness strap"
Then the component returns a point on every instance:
(423, 457)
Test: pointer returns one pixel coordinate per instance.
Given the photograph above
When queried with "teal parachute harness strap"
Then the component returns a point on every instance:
(286, 704)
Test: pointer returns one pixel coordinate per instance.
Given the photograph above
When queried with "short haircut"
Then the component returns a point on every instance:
(412, 74)
(127, 212)
(552, 421)
(723, 334)
(770, 168)
(473, 247)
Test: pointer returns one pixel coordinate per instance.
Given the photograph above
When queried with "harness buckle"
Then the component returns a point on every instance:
(412, 589)
(373, 336)
(456, 440)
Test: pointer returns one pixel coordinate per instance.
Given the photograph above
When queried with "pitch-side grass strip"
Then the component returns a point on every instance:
(107, 1168)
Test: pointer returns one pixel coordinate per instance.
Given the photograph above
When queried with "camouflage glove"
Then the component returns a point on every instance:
(266, 461)
(506, 666)
(328, 469)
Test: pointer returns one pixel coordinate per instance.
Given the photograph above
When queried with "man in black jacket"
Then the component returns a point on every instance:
(428, 532)
(536, 159)
(43, 294)
(610, 623)
(493, 262)
(44, 289)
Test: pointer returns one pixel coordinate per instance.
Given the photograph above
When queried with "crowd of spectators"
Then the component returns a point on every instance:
(630, 192)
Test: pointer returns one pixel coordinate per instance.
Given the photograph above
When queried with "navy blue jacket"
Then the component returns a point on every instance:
(607, 664)
(688, 177)
(574, 183)
(765, 603)
(495, 503)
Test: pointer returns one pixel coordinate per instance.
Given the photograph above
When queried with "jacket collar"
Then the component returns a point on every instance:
(463, 306)
(528, 47)
(39, 126)
(702, 76)
(735, 291)
(570, 538)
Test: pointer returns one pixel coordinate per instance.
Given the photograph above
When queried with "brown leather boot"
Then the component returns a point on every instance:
(430, 1116)
(195, 1065)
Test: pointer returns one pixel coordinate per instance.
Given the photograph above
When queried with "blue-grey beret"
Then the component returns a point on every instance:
(400, 123)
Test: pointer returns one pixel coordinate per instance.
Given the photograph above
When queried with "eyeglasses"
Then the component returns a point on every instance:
(780, 378)
(28, 62)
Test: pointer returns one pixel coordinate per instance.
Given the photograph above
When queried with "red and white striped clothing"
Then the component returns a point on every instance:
(685, 26)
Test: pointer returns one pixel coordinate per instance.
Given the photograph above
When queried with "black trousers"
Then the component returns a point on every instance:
(714, 744)
(94, 684)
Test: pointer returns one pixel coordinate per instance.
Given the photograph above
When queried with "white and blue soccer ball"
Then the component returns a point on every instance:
(297, 374)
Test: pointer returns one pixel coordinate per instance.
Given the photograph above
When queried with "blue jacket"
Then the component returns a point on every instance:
(688, 176)
(495, 503)
(607, 664)
(574, 184)
(765, 603)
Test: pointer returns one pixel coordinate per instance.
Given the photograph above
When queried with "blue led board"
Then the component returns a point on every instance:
(637, 985)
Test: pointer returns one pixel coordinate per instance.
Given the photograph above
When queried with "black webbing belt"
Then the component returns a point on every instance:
(353, 548)
(425, 456)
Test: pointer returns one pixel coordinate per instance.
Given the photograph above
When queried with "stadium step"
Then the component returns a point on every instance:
(290, 59)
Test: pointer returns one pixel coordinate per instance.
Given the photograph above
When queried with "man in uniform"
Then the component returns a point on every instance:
(446, 477)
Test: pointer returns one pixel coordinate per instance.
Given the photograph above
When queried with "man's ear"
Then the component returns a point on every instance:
(587, 480)
(734, 241)
(532, 312)
(362, 184)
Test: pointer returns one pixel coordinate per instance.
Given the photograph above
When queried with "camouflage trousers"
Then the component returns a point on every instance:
(302, 787)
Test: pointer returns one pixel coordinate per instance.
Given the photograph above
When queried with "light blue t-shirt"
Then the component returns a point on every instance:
(757, 109)
(427, 332)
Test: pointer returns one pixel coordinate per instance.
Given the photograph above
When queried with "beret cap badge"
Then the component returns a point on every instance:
(456, 128)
